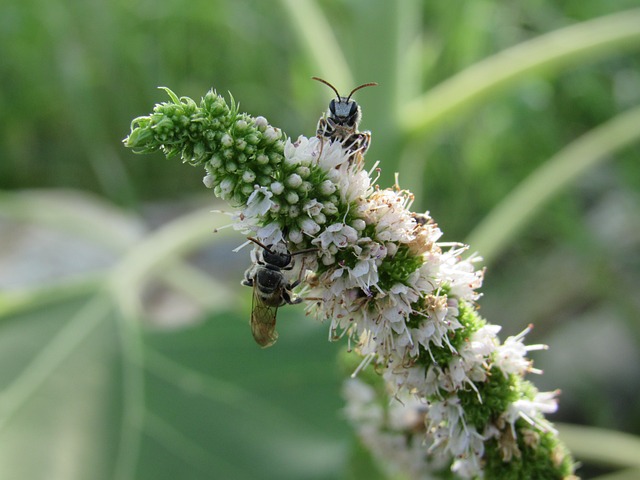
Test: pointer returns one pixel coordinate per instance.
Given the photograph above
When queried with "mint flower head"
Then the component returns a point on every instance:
(378, 274)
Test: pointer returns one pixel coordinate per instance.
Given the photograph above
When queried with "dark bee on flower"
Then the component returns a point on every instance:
(421, 219)
(270, 290)
(341, 122)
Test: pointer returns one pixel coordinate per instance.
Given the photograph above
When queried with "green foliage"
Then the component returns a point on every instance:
(522, 467)
(492, 398)
(397, 270)
(470, 321)
(213, 405)
(229, 144)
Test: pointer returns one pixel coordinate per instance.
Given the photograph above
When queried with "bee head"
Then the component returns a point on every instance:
(343, 110)
(276, 259)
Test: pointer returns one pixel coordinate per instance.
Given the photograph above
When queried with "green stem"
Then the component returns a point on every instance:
(167, 244)
(12, 302)
(16, 393)
(582, 42)
(513, 213)
(124, 284)
(70, 213)
(589, 443)
(320, 42)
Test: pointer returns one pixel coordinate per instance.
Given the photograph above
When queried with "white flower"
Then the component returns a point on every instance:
(332, 155)
(248, 176)
(510, 357)
(462, 277)
(272, 134)
(353, 186)
(259, 202)
(270, 234)
(296, 236)
(338, 234)
(393, 222)
(312, 208)
(309, 227)
(531, 411)
(484, 340)
(327, 187)
(303, 152)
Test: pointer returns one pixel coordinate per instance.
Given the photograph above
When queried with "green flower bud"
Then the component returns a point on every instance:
(227, 140)
(277, 188)
(248, 176)
(292, 197)
(293, 180)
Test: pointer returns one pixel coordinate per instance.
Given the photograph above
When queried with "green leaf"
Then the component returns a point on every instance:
(559, 49)
(209, 404)
(517, 209)
(602, 447)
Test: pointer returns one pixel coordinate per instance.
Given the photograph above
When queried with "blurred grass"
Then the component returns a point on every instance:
(74, 74)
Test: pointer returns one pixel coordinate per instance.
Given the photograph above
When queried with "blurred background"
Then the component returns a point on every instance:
(125, 351)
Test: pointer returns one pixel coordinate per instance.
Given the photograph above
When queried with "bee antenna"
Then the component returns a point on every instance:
(328, 84)
(307, 250)
(370, 84)
(257, 242)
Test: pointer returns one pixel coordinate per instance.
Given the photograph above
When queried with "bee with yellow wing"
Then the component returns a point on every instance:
(270, 290)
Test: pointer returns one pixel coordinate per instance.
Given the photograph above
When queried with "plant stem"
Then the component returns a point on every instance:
(504, 222)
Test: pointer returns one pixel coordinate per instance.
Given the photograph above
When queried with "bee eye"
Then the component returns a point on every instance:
(332, 106)
(353, 109)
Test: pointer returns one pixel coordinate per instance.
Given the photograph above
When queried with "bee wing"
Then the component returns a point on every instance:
(263, 321)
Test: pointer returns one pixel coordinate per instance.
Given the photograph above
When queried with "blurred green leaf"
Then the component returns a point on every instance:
(88, 392)
(603, 447)
(631, 474)
(211, 403)
(561, 48)
(505, 221)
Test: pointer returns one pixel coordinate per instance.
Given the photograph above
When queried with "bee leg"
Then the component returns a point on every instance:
(321, 129)
(289, 298)
(248, 279)
(366, 142)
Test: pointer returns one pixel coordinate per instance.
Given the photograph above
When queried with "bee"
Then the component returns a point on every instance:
(341, 122)
(421, 219)
(270, 290)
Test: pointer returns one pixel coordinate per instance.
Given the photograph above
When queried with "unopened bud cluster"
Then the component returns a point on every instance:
(237, 150)
(379, 274)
